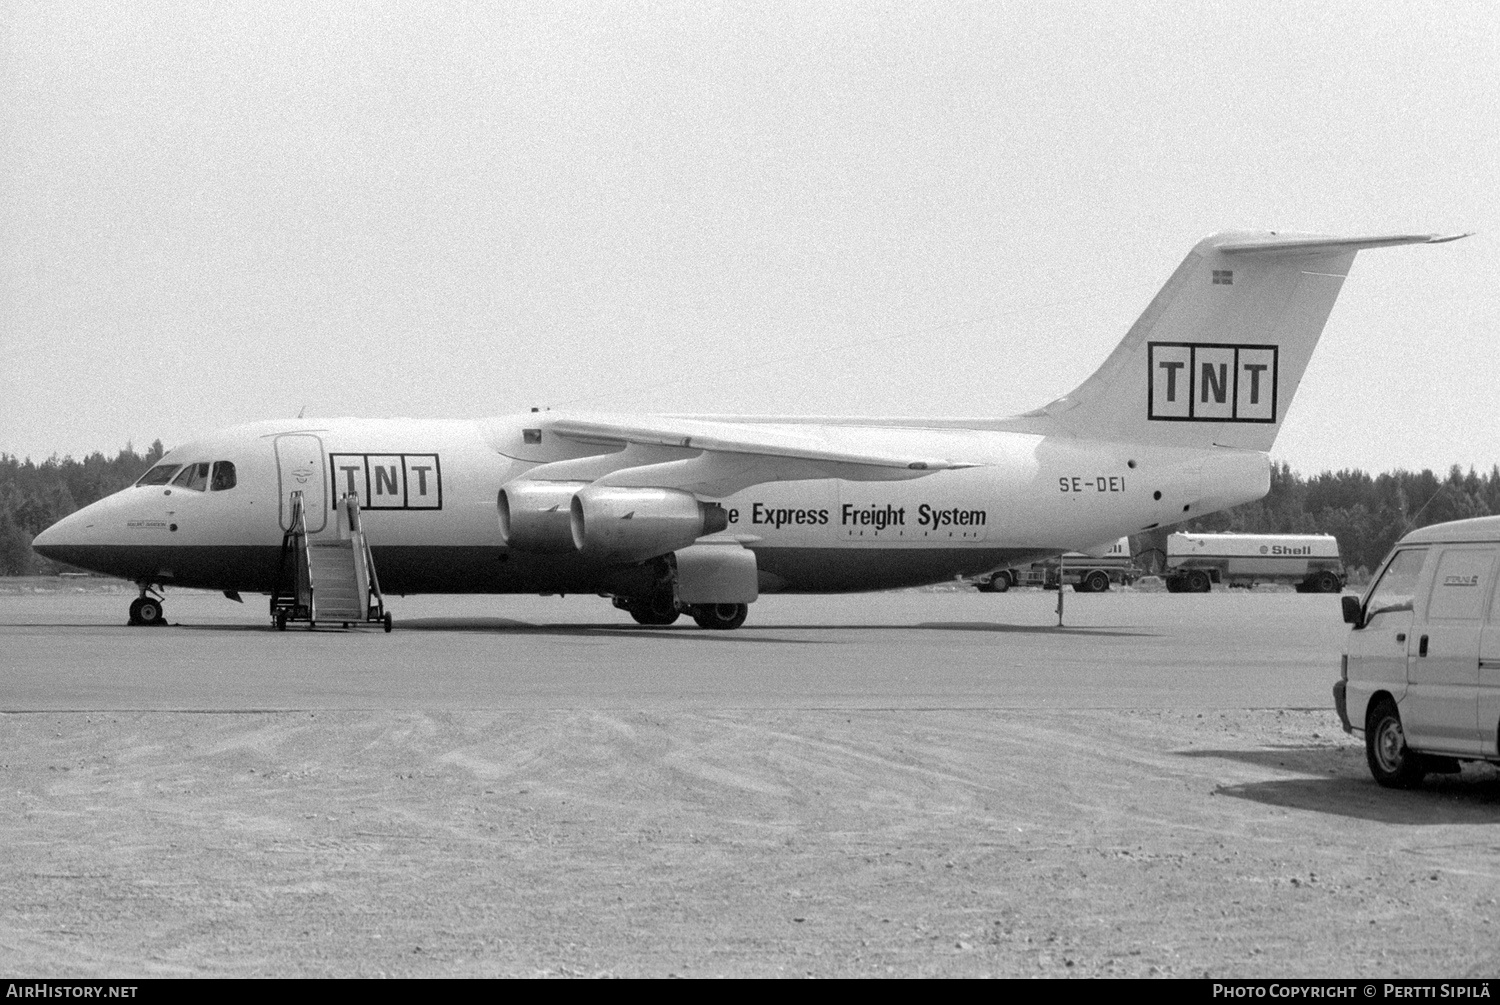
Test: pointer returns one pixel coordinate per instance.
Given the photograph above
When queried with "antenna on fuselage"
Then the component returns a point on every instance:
(301, 410)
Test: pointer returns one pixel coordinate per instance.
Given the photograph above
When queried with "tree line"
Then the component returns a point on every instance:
(34, 496)
(1367, 513)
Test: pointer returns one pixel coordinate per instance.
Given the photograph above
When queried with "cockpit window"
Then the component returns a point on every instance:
(159, 475)
(193, 476)
(223, 476)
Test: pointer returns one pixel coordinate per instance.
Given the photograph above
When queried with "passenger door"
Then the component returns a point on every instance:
(1377, 651)
(299, 467)
(1441, 709)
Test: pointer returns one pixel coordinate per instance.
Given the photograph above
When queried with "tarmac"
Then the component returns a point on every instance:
(934, 783)
(908, 650)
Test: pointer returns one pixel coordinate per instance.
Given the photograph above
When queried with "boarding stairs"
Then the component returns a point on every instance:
(333, 578)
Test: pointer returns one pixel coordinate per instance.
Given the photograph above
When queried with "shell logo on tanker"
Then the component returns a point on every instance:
(874, 516)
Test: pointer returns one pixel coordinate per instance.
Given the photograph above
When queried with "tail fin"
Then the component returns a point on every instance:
(1218, 354)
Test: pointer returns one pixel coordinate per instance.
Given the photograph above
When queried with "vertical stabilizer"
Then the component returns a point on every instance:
(1217, 356)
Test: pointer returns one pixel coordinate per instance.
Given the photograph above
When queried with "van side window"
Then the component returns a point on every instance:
(1398, 583)
(223, 476)
(193, 476)
(1458, 587)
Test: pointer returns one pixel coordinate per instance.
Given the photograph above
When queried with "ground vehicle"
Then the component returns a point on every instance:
(1421, 676)
(1086, 573)
(1310, 561)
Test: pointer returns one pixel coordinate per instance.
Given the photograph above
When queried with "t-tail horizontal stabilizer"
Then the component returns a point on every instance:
(1217, 356)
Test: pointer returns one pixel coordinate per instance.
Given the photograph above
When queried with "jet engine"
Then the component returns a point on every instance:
(626, 525)
(535, 515)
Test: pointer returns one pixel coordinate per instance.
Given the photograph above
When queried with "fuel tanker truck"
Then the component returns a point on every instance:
(1310, 562)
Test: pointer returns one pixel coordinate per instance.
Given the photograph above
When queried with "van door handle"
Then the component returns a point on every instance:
(1400, 636)
(1422, 646)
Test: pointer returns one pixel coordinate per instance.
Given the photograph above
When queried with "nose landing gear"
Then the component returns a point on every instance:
(146, 609)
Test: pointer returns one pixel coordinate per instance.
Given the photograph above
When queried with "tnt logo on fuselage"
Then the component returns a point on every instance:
(1210, 382)
(389, 481)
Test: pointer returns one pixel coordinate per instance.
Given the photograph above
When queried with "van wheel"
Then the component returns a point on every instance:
(1392, 762)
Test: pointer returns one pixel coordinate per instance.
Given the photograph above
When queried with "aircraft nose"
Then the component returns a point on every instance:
(60, 539)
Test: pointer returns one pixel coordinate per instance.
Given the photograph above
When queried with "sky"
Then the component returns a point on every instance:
(213, 213)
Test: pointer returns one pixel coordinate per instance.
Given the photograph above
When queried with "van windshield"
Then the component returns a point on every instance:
(1398, 584)
(159, 475)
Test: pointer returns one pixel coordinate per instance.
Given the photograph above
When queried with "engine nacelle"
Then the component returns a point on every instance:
(626, 525)
(537, 516)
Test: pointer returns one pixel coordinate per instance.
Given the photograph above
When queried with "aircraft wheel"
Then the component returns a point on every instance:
(721, 617)
(146, 611)
(387, 621)
(1392, 762)
(281, 621)
(655, 611)
(1098, 581)
(652, 619)
(1198, 582)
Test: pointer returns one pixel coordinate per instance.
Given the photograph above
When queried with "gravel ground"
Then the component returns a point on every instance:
(793, 843)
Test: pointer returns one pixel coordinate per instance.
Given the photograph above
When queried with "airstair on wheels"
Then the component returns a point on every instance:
(329, 578)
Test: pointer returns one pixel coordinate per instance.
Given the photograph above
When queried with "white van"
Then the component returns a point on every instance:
(1421, 676)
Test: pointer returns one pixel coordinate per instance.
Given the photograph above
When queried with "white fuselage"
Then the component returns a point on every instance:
(430, 488)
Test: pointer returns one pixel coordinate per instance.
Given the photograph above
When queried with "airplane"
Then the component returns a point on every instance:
(674, 514)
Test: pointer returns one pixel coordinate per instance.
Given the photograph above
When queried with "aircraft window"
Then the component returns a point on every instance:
(159, 475)
(193, 476)
(223, 476)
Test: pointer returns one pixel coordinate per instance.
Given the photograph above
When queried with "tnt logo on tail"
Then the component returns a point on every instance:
(1210, 382)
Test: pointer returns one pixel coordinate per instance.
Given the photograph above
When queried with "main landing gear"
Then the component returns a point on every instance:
(723, 617)
(146, 609)
(661, 609)
(655, 611)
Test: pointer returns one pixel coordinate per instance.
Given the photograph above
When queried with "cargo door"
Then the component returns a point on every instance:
(300, 467)
(1487, 696)
(1441, 709)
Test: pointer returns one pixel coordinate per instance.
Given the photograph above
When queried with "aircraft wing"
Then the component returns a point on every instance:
(718, 458)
